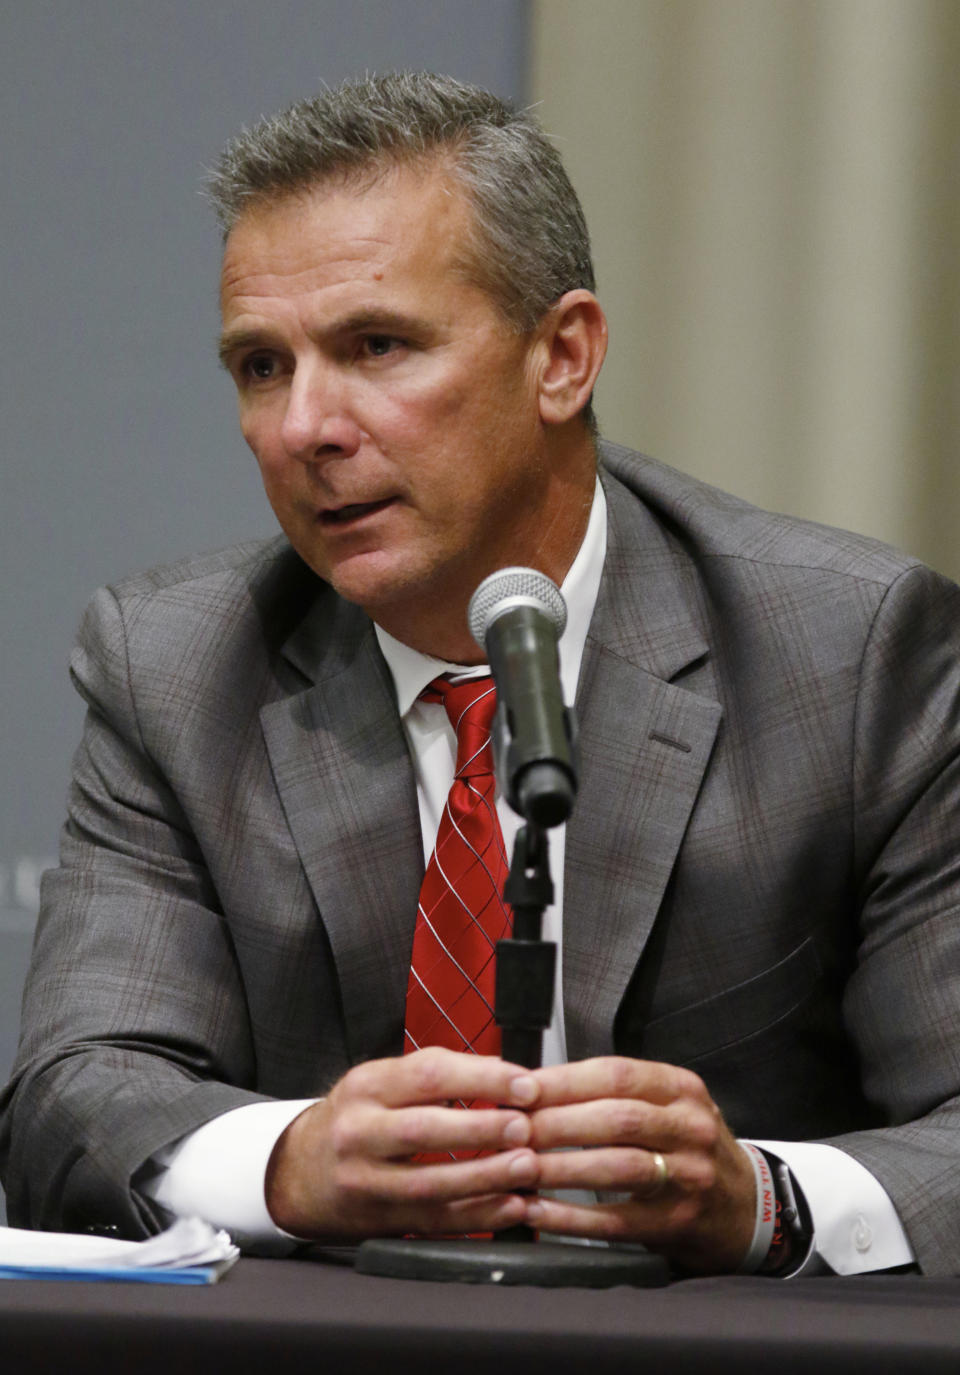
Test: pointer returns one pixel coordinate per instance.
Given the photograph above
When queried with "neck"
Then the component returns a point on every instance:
(435, 622)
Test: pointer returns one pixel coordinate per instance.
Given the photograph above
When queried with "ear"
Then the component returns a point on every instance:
(575, 344)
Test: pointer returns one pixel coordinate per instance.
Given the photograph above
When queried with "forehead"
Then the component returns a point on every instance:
(410, 224)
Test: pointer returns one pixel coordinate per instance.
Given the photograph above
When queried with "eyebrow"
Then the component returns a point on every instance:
(233, 340)
(367, 318)
(386, 321)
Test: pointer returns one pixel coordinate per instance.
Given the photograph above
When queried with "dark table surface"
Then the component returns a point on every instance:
(287, 1316)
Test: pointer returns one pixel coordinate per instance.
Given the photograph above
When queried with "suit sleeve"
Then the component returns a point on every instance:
(902, 1003)
(134, 1025)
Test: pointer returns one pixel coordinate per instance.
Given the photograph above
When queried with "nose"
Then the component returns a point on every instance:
(317, 422)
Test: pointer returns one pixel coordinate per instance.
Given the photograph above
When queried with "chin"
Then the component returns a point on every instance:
(375, 582)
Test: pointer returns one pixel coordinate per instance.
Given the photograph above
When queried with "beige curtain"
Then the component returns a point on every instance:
(773, 188)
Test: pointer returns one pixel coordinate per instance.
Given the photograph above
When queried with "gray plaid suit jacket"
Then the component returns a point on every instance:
(762, 872)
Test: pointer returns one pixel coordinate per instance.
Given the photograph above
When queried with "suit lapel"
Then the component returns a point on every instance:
(344, 776)
(343, 772)
(645, 743)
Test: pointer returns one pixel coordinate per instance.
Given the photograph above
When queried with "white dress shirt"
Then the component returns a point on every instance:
(218, 1170)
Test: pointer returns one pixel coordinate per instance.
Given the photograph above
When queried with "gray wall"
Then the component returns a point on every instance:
(119, 442)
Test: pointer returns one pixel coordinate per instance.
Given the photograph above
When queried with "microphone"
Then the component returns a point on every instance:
(517, 615)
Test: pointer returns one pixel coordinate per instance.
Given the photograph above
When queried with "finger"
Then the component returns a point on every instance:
(611, 1122)
(437, 1075)
(680, 1124)
(634, 1171)
(402, 1132)
(687, 1225)
(418, 1185)
(463, 1217)
(616, 1076)
(487, 1212)
(603, 1222)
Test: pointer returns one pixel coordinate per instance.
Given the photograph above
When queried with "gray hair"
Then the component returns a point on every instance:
(530, 241)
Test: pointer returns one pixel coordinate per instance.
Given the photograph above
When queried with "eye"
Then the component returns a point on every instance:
(258, 367)
(379, 345)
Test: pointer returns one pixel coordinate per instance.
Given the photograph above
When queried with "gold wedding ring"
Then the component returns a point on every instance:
(662, 1176)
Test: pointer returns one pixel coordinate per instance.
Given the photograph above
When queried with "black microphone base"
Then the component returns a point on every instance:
(549, 1265)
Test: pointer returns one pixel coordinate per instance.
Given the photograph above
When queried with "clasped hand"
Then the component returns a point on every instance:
(348, 1166)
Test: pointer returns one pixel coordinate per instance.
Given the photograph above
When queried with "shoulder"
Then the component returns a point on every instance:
(764, 584)
(714, 526)
(261, 587)
(210, 627)
(217, 578)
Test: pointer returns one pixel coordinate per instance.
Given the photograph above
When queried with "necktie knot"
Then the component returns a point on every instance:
(470, 706)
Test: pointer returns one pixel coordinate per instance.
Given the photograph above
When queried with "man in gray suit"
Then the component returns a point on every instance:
(758, 889)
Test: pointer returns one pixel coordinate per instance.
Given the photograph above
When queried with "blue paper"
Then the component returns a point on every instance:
(190, 1274)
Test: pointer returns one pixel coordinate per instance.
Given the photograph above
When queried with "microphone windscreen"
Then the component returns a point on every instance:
(510, 587)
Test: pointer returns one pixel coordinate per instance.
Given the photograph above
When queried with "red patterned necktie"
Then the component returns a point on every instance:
(462, 914)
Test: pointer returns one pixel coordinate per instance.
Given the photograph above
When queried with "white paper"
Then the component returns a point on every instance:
(187, 1243)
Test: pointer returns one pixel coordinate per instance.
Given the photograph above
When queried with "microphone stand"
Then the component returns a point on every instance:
(523, 1006)
(525, 966)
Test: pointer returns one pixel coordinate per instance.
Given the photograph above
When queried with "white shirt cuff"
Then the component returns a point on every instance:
(856, 1227)
(218, 1173)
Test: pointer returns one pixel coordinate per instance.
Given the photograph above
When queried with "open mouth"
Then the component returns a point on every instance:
(346, 515)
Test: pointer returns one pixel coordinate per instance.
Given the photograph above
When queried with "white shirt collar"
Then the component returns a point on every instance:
(412, 671)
